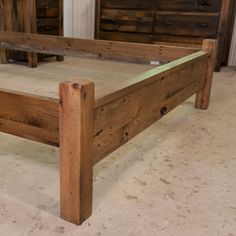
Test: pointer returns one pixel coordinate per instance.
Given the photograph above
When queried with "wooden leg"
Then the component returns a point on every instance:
(60, 58)
(29, 9)
(76, 143)
(32, 59)
(203, 97)
(6, 18)
(4, 57)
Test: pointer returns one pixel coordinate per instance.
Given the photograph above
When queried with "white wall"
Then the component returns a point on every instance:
(232, 56)
(79, 16)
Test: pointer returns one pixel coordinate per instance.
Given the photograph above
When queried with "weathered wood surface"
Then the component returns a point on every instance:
(103, 97)
(29, 16)
(107, 49)
(187, 24)
(190, 5)
(76, 144)
(120, 119)
(173, 21)
(126, 20)
(28, 116)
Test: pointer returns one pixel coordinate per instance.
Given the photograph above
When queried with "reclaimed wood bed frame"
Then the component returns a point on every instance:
(88, 126)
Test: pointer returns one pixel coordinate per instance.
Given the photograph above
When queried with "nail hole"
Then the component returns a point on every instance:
(75, 86)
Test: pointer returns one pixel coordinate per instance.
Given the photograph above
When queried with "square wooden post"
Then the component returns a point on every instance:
(203, 97)
(29, 9)
(6, 7)
(61, 27)
(76, 147)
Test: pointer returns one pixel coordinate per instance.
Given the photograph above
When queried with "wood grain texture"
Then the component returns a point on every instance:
(174, 21)
(148, 77)
(29, 16)
(120, 119)
(137, 21)
(29, 116)
(189, 5)
(76, 142)
(187, 24)
(106, 49)
(7, 24)
(123, 4)
(203, 97)
(125, 36)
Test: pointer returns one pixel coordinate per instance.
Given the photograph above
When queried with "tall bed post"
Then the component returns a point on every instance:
(6, 7)
(76, 148)
(203, 97)
(29, 9)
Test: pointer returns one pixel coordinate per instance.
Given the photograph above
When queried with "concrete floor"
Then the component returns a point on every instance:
(176, 178)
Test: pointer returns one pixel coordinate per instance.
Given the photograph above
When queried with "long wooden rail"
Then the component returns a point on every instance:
(56, 45)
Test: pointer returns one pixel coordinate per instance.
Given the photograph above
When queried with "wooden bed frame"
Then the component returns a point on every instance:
(89, 126)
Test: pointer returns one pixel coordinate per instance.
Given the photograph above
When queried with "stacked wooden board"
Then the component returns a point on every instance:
(31, 16)
(174, 21)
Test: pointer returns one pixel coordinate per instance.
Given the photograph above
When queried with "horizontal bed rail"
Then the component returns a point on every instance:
(29, 116)
(56, 45)
(148, 77)
(122, 115)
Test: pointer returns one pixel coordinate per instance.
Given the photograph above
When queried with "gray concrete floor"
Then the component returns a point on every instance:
(176, 178)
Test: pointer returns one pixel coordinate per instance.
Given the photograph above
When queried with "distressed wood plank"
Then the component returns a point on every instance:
(29, 116)
(56, 45)
(29, 9)
(6, 18)
(148, 77)
(121, 119)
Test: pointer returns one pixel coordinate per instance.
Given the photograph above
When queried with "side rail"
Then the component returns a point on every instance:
(29, 116)
(64, 46)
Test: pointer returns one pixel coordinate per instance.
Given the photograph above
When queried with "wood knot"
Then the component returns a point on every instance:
(76, 86)
(163, 111)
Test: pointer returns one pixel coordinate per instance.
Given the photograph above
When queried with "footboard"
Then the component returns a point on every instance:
(89, 126)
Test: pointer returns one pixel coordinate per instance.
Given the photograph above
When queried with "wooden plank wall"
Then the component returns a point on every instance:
(117, 121)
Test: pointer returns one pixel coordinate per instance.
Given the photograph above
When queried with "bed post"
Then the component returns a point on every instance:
(203, 97)
(6, 24)
(76, 144)
(29, 9)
